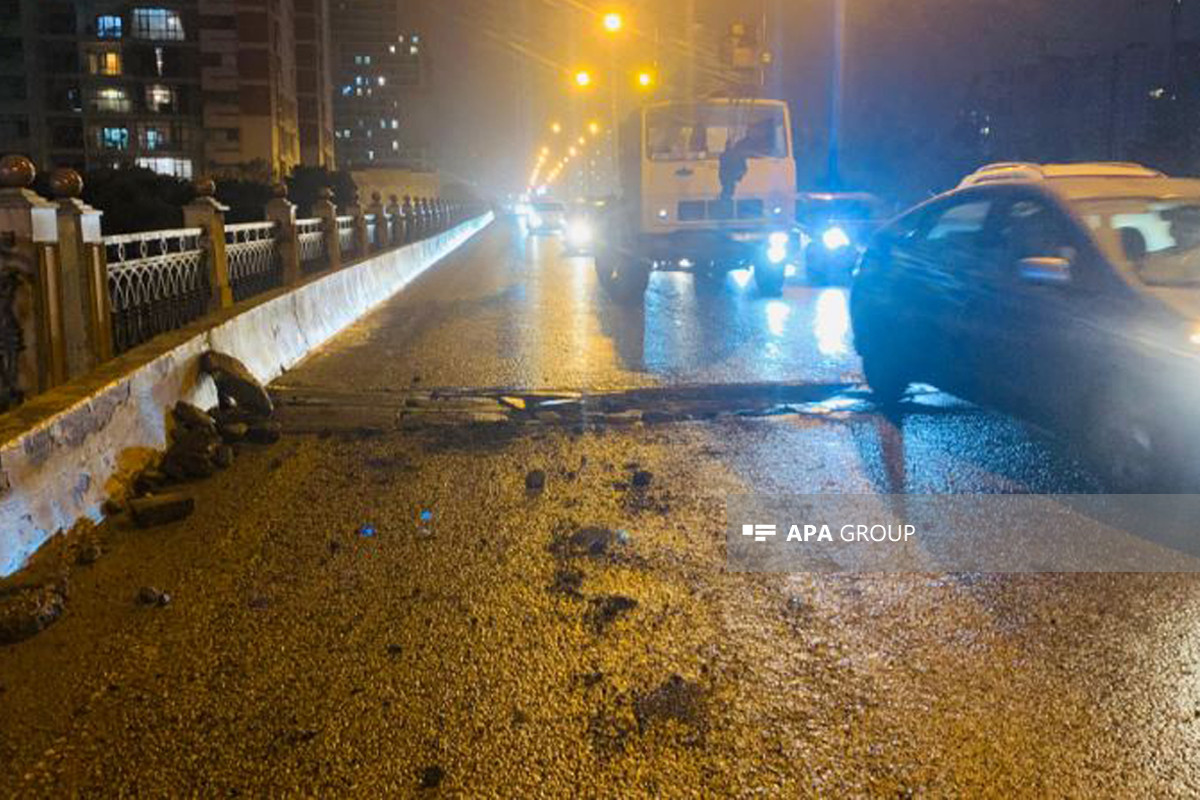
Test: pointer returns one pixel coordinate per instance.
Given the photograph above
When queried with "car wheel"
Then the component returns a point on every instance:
(888, 375)
(769, 279)
(1125, 447)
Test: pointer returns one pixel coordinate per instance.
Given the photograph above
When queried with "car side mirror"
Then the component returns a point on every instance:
(1045, 270)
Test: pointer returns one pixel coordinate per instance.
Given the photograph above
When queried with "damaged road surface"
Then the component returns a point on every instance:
(431, 586)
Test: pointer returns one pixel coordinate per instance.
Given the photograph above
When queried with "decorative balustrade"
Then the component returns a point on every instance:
(345, 232)
(310, 239)
(254, 264)
(70, 298)
(372, 222)
(157, 282)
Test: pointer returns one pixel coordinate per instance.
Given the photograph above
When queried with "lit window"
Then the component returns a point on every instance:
(111, 99)
(371, 155)
(391, 48)
(395, 145)
(382, 81)
(395, 124)
(114, 138)
(105, 63)
(160, 98)
(154, 138)
(347, 90)
(158, 24)
(176, 167)
(416, 39)
(109, 27)
(413, 50)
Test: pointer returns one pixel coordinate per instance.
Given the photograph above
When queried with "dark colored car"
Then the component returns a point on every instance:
(1066, 294)
(838, 227)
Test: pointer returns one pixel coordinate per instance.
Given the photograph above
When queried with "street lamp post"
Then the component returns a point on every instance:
(613, 24)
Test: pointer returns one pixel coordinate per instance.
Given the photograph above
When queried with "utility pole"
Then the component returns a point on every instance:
(835, 101)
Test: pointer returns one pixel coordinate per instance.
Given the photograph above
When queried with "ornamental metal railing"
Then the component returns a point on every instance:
(157, 282)
(372, 222)
(310, 242)
(253, 256)
(71, 299)
(345, 235)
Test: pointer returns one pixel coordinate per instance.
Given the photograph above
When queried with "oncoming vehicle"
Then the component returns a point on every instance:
(547, 216)
(1067, 294)
(580, 232)
(838, 227)
(707, 185)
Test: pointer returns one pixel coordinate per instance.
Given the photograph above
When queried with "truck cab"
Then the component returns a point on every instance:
(706, 185)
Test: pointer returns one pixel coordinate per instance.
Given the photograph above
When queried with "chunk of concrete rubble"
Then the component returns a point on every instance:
(236, 383)
(149, 596)
(223, 457)
(193, 418)
(267, 432)
(183, 464)
(155, 510)
(535, 480)
(233, 432)
(28, 611)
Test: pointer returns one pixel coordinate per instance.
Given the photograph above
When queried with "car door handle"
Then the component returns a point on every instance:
(685, 172)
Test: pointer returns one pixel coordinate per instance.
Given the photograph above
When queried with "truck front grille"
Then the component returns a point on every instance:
(720, 210)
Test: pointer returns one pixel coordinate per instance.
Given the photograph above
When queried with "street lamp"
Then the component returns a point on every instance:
(555, 127)
(594, 128)
(613, 22)
(645, 79)
(583, 79)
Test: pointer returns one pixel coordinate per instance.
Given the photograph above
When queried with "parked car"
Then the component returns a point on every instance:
(547, 216)
(838, 227)
(1067, 294)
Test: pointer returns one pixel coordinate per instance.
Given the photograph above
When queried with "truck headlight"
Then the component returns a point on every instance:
(579, 233)
(835, 238)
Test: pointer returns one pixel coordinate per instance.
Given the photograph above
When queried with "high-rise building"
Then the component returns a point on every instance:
(380, 64)
(314, 83)
(183, 87)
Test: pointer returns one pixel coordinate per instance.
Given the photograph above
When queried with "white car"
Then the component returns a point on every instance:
(547, 216)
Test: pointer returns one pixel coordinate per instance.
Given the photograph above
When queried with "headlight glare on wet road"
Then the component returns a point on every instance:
(835, 238)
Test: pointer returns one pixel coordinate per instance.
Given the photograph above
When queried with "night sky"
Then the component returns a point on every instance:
(500, 68)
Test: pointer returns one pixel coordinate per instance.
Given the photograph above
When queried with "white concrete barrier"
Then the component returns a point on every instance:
(65, 452)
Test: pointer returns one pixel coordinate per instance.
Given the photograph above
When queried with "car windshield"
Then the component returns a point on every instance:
(1159, 238)
(549, 208)
(702, 131)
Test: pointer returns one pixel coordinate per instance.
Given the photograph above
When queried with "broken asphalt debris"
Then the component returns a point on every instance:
(27, 611)
(535, 480)
(236, 385)
(152, 511)
(605, 610)
(149, 596)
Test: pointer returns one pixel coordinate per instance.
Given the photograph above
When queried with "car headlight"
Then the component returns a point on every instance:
(835, 238)
(579, 233)
(779, 240)
(1194, 336)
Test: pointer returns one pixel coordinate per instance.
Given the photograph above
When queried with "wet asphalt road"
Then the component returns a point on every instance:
(585, 639)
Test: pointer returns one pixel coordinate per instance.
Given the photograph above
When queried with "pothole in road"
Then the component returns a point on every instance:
(319, 411)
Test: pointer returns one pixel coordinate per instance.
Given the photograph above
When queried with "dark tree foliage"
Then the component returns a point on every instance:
(247, 200)
(135, 199)
(305, 184)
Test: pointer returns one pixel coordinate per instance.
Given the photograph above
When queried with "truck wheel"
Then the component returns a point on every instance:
(769, 279)
(887, 375)
(623, 278)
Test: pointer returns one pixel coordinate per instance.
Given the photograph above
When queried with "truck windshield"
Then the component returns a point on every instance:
(697, 132)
